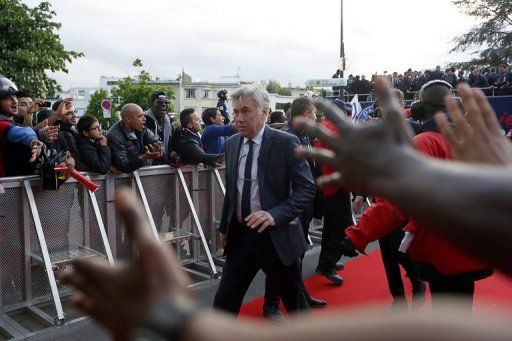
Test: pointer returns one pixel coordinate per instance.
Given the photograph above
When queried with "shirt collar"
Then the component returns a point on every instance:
(258, 138)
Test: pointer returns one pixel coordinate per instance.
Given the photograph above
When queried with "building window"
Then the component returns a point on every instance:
(190, 93)
(111, 83)
(206, 94)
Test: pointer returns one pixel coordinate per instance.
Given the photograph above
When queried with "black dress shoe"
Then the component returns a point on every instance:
(331, 276)
(340, 266)
(274, 316)
(315, 302)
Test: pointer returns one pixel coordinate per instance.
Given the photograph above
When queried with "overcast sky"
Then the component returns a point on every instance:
(287, 40)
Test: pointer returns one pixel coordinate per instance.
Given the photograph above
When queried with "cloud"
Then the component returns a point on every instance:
(290, 41)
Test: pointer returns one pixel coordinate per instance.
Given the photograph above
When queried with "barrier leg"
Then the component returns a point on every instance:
(46, 256)
(219, 181)
(146, 205)
(99, 219)
(197, 222)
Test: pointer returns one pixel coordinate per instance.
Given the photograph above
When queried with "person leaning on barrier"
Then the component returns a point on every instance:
(159, 122)
(27, 107)
(188, 141)
(20, 146)
(66, 122)
(131, 144)
(215, 131)
(93, 145)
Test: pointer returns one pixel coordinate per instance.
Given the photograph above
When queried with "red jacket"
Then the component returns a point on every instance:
(382, 218)
(327, 169)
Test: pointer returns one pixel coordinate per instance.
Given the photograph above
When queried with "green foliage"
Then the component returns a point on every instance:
(273, 86)
(284, 92)
(137, 90)
(94, 108)
(492, 35)
(30, 46)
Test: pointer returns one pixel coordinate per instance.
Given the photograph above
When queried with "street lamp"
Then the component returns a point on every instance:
(342, 63)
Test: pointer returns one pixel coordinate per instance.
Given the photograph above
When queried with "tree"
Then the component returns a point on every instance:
(273, 86)
(137, 90)
(492, 35)
(94, 108)
(284, 92)
(31, 46)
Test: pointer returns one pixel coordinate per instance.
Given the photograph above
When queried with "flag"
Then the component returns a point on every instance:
(356, 108)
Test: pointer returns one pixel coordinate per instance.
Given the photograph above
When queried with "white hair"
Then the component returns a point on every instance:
(256, 92)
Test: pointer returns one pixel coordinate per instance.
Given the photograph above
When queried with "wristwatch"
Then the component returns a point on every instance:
(167, 320)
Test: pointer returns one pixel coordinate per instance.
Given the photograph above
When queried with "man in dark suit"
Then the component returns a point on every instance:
(267, 189)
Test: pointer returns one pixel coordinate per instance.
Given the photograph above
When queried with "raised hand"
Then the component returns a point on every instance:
(121, 297)
(36, 148)
(362, 156)
(475, 137)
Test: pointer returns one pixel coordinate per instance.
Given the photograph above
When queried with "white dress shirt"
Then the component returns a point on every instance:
(242, 157)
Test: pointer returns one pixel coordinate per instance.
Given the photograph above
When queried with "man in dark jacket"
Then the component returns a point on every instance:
(66, 123)
(188, 141)
(301, 107)
(92, 145)
(131, 144)
(159, 122)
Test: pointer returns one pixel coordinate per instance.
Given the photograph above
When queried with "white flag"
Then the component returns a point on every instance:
(356, 107)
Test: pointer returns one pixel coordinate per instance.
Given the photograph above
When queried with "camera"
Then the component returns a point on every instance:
(46, 104)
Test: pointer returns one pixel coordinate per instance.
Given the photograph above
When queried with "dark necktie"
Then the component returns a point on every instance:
(246, 190)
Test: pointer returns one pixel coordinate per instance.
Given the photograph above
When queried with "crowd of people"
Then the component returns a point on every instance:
(400, 162)
(140, 138)
(497, 78)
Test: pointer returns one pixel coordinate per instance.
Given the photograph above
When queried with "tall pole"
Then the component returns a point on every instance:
(342, 43)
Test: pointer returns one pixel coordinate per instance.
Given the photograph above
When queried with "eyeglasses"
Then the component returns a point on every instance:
(98, 128)
(241, 178)
(74, 112)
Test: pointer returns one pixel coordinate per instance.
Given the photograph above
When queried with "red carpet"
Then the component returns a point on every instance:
(365, 284)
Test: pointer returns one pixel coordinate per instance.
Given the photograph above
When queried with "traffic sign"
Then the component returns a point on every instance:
(320, 83)
(106, 105)
(106, 114)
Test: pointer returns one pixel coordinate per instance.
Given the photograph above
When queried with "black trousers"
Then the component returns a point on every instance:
(392, 259)
(337, 217)
(271, 302)
(248, 252)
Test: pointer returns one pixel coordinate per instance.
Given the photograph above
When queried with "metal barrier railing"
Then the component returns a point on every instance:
(42, 231)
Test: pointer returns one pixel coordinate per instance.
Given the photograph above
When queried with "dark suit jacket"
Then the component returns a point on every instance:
(285, 186)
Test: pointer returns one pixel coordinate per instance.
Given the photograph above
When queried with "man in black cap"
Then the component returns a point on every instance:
(159, 122)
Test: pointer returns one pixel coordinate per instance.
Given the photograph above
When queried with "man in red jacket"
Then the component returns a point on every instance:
(337, 216)
(446, 269)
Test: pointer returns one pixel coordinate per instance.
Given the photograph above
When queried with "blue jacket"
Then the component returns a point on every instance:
(214, 137)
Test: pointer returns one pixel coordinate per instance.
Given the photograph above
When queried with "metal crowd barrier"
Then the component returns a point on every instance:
(42, 231)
